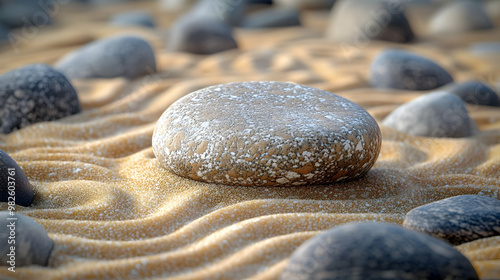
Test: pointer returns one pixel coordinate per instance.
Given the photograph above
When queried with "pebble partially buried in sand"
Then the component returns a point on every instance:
(266, 134)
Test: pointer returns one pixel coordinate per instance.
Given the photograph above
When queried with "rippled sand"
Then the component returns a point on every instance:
(113, 213)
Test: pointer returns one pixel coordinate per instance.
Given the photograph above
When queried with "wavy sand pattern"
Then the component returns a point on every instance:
(113, 213)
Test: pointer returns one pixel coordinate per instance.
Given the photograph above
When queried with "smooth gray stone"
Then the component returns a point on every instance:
(305, 4)
(118, 56)
(376, 251)
(457, 219)
(200, 35)
(476, 93)
(133, 18)
(230, 12)
(20, 191)
(270, 18)
(35, 93)
(25, 13)
(4, 33)
(359, 21)
(437, 114)
(459, 17)
(400, 69)
(486, 48)
(32, 243)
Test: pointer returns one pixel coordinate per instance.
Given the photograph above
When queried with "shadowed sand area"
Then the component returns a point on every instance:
(113, 213)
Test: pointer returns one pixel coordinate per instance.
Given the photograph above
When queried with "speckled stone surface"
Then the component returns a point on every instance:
(133, 18)
(32, 94)
(270, 18)
(376, 251)
(19, 190)
(457, 219)
(436, 114)
(200, 35)
(32, 243)
(460, 16)
(266, 134)
(474, 92)
(117, 56)
(305, 4)
(356, 22)
(400, 69)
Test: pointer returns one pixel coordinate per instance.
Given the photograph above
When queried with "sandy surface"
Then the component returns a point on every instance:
(113, 213)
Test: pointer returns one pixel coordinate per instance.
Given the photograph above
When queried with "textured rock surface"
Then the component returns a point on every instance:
(457, 219)
(359, 21)
(460, 16)
(376, 251)
(437, 114)
(305, 4)
(137, 18)
(32, 244)
(200, 35)
(404, 70)
(474, 92)
(19, 189)
(272, 18)
(118, 56)
(32, 94)
(265, 134)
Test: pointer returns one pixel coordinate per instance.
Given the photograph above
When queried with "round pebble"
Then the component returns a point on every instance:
(437, 114)
(22, 13)
(266, 134)
(118, 56)
(200, 35)
(32, 243)
(134, 18)
(19, 191)
(4, 33)
(271, 18)
(376, 251)
(399, 69)
(305, 4)
(458, 17)
(487, 48)
(35, 93)
(231, 12)
(457, 219)
(476, 93)
(358, 21)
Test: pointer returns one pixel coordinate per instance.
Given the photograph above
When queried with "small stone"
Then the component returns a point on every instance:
(305, 4)
(270, 18)
(15, 187)
(266, 134)
(200, 35)
(231, 12)
(4, 33)
(487, 48)
(476, 93)
(261, 2)
(35, 93)
(457, 219)
(458, 17)
(25, 13)
(376, 251)
(399, 69)
(437, 114)
(134, 18)
(359, 21)
(33, 245)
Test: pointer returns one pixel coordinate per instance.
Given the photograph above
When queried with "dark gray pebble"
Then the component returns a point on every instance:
(200, 35)
(400, 69)
(476, 93)
(118, 56)
(270, 18)
(35, 93)
(4, 33)
(134, 18)
(231, 12)
(15, 187)
(457, 219)
(305, 4)
(27, 13)
(437, 114)
(376, 251)
(32, 243)
(458, 17)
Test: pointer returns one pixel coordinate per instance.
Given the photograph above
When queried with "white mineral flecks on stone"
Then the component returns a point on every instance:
(266, 134)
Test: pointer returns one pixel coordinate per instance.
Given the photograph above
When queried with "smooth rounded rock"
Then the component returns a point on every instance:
(476, 93)
(26, 13)
(118, 56)
(35, 93)
(458, 17)
(266, 134)
(4, 33)
(271, 18)
(357, 22)
(200, 35)
(305, 4)
(457, 219)
(486, 48)
(15, 187)
(134, 18)
(375, 251)
(437, 114)
(32, 243)
(400, 69)
(231, 12)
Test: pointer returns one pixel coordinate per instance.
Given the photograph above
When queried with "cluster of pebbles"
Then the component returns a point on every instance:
(280, 134)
